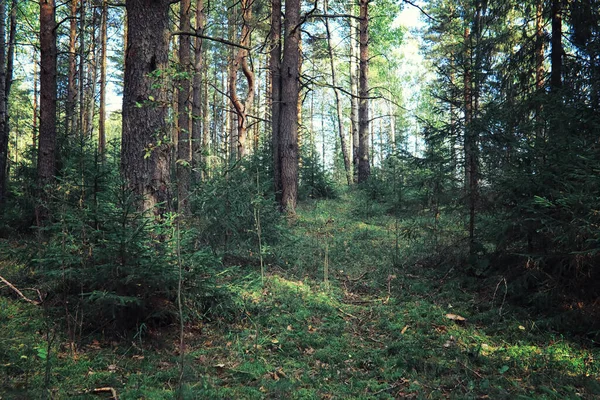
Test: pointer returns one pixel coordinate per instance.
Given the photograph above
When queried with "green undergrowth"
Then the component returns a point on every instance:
(384, 325)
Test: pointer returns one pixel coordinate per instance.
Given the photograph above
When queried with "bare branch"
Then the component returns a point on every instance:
(19, 293)
(219, 40)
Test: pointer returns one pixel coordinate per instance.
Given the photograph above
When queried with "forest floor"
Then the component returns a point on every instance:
(382, 325)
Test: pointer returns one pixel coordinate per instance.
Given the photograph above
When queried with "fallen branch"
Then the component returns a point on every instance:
(108, 389)
(347, 314)
(19, 293)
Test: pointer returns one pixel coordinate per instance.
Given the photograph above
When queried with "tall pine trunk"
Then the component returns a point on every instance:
(72, 74)
(557, 48)
(184, 161)
(290, 87)
(198, 146)
(338, 104)
(275, 73)
(46, 163)
(48, 73)
(364, 167)
(145, 155)
(354, 91)
(103, 66)
(3, 114)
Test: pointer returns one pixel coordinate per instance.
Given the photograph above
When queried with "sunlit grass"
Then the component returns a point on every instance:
(377, 331)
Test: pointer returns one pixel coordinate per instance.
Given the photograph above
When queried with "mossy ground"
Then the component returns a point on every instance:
(378, 328)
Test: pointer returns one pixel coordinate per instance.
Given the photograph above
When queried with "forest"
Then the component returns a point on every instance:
(266, 199)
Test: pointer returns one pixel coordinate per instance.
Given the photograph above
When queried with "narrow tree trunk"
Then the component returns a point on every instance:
(71, 79)
(470, 144)
(557, 48)
(364, 168)
(48, 91)
(4, 139)
(354, 91)
(34, 122)
(232, 68)
(197, 112)
(338, 104)
(207, 141)
(102, 108)
(240, 60)
(468, 107)
(539, 66)
(539, 45)
(3, 114)
(89, 101)
(275, 72)
(290, 87)
(184, 161)
(81, 95)
(145, 158)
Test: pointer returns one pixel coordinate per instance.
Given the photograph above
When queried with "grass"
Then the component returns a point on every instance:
(377, 331)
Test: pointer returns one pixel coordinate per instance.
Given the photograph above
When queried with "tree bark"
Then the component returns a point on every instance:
(4, 139)
(145, 156)
(102, 108)
(338, 103)
(48, 92)
(539, 45)
(184, 160)
(364, 168)
(3, 114)
(240, 60)
(290, 86)
(557, 48)
(72, 75)
(275, 72)
(81, 92)
(92, 79)
(34, 121)
(354, 54)
(198, 146)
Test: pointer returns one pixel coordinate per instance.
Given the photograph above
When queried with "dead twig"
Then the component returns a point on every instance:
(19, 293)
(473, 371)
(358, 278)
(107, 389)
(347, 314)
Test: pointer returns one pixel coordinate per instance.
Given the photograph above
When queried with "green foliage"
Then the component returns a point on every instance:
(105, 264)
(225, 207)
(315, 182)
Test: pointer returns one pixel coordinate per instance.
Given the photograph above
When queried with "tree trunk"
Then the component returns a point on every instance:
(197, 112)
(81, 95)
(3, 114)
(184, 161)
(539, 45)
(232, 116)
(338, 103)
(90, 100)
(240, 60)
(72, 76)
(10, 58)
(470, 141)
(364, 168)
(34, 121)
(145, 156)
(102, 109)
(275, 72)
(354, 91)
(557, 48)
(290, 86)
(47, 136)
